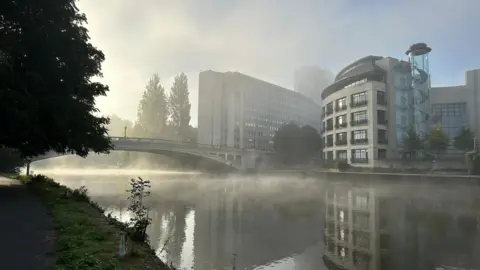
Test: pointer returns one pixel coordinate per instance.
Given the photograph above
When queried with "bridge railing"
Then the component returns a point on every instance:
(192, 145)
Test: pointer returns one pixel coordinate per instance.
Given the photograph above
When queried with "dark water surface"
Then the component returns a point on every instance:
(286, 223)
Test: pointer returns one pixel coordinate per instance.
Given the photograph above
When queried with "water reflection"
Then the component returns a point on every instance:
(401, 228)
(286, 224)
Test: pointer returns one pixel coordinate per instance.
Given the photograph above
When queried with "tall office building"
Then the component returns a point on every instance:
(237, 110)
(311, 80)
(367, 111)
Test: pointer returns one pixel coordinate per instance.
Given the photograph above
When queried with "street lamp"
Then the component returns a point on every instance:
(125, 134)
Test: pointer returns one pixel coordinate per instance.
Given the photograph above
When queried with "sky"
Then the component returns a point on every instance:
(269, 39)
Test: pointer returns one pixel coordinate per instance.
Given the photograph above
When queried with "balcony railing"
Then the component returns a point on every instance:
(341, 125)
(382, 122)
(340, 108)
(382, 141)
(341, 142)
(359, 141)
(382, 102)
(359, 160)
(328, 128)
(359, 122)
(360, 103)
(329, 144)
(329, 111)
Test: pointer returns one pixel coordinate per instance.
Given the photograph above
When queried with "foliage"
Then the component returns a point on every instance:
(412, 142)
(10, 161)
(116, 127)
(85, 237)
(139, 190)
(46, 91)
(152, 110)
(473, 162)
(437, 140)
(294, 145)
(342, 165)
(464, 140)
(179, 106)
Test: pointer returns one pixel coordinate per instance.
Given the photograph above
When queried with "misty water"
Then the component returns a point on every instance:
(288, 222)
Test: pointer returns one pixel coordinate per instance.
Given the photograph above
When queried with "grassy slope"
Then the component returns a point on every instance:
(85, 238)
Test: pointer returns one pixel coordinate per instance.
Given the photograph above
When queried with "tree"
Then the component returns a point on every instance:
(437, 140)
(47, 97)
(294, 145)
(152, 110)
(116, 127)
(412, 142)
(10, 161)
(179, 106)
(464, 140)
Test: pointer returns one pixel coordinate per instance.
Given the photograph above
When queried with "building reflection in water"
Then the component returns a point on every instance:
(368, 228)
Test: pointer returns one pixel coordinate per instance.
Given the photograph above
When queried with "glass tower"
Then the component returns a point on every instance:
(418, 58)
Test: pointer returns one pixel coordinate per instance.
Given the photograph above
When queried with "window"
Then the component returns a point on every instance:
(359, 134)
(360, 220)
(341, 138)
(359, 116)
(341, 121)
(359, 98)
(329, 124)
(382, 153)
(329, 140)
(342, 154)
(361, 201)
(381, 119)
(451, 116)
(359, 155)
(329, 155)
(382, 136)
(329, 108)
(341, 103)
(381, 99)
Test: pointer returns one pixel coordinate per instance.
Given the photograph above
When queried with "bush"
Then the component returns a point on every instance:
(342, 165)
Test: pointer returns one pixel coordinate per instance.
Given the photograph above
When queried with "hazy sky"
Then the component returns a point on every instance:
(269, 39)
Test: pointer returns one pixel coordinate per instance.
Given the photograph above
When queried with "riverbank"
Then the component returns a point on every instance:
(84, 238)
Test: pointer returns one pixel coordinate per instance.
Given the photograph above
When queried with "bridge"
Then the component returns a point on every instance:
(238, 158)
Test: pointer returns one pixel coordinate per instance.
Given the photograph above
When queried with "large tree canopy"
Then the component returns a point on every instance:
(47, 97)
(295, 145)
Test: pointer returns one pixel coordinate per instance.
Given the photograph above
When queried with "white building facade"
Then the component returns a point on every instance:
(367, 111)
(236, 110)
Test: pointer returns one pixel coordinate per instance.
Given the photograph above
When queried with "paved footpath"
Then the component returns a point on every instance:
(26, 230)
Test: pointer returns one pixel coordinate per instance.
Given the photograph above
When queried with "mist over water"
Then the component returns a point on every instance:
(286, 222)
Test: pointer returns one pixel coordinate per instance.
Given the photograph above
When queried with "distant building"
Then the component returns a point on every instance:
(237, 110)
(454, 107)
(311, 80)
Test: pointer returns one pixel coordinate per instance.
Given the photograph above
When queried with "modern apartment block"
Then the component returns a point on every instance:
(236, 110)
(454, 107)
(372, 103)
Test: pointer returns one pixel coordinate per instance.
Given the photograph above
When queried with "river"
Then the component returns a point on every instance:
(288, 222)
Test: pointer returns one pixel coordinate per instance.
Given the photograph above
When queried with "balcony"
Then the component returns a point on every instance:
(382, 122)
(341, 142)
(341, 125)
(329, 111)
(329, 144)
(359, 141)
(359, 122)
(329, 128)
(358, 103)
(340, 108)
(359, 160)
(382, 141)
(382, 102)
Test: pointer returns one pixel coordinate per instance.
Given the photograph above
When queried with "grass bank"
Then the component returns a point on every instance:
(84, 237)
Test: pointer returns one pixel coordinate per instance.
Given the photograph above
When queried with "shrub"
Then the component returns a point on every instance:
(140, 221)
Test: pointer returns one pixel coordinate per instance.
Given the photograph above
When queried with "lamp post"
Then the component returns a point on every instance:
(125, 134)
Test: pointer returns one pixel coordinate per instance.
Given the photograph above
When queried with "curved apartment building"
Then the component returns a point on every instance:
(367, 109)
